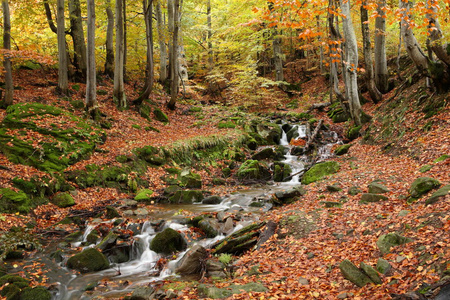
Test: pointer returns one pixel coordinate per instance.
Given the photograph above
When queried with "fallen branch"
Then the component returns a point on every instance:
(318, 106)
(313, 135)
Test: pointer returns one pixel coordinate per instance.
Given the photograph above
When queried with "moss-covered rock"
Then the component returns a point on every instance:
(386, 241)
(442, 192)
(281, 172)
(253, 170)
(341, 150)
(270, 132)
(353, 273)
(63, 200)
(338, 115)
(186, 197)
(370, 272)
(12, 201)
(319, 171)
(168, 242)
(212, 292)
(353, 133)
(160, 115)
(210, 227)
(239, 241)
(190, 180)
(370, 198)
(143, 195)
(90, 260)
(377, 188)
(58, 146)
(151, 155)
(422, 185)
(266, 153)
(35, 293)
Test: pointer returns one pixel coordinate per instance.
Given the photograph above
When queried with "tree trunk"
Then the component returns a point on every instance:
(162, 44)
(91, 82)
(209, 36)
(373, 91)
(351, 52)
(79, 46)
(125, 40)
(109, 63)
(9, 87)
(148, 15)
(277, 57)
(381, 70)
(48, 14)
(63, 80)
(173, 8)
(119, 92)
(412, 46)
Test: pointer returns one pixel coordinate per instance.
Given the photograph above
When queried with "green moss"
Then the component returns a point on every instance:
(195, 109)
(136, 126)
(160, 115)
(320, 170)
(425, 168)
(187, 197)
(63, 200)
(228, 124)
(441, 158)
(143, 195)
(168, 241)
(101, 92)
(35, 293)
(353, 133)
(90, 260)
(12, 201)
(253, 169)
(422, 185)
(341, 150)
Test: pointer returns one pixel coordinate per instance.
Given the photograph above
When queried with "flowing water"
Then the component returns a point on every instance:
(142, 267)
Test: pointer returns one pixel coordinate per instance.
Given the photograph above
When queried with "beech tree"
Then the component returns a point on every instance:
(9, 88)
(162, 43)
(173, 8)
(63, 80)
(119, 92)
(91, 84)
(381, 70)
(109, 62)
(77, 33)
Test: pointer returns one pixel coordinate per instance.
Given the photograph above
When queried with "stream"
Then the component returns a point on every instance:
(141, 268)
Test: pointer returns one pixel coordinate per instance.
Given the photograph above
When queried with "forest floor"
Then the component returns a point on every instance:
(292, 265)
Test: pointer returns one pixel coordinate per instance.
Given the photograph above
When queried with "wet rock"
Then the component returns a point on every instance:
(353, 273)
(292, 134)
(239, 241)
(210, 227)
(212, 200)
(90, 260)
(128, 203)
(281, 172)
(386, 241)
(266, 153)
(319, 171)
(111, 213)
(141, 212)
(422, 185)
(377, 188)
(193, 262)
(369, 198)
(143, 293)
(63, 200)
(371, 272)
(270, 132)
(288, 196)
(168, 241)
(215, 269)
(228, 226)
(190, 180)
(341, 150)
(186, 197)
(298, 151)
(108, 241)
(442, 192)
(286, 127)
(35, 293)
(253, 170)
(171, 189)
(383, 266)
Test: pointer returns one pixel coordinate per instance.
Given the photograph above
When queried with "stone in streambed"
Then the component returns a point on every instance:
(168, 242)
(193, 261)
(90, 260)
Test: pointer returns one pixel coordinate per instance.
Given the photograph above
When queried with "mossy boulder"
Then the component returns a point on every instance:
(213, 292)
(253, 170)
(377, 188)
(440, 193)
(151, 155)
(192, 261)
(353, 273)
(63, 200)
(143, 195)
(370, 198)
(168, 241)
(160, 115)
(210, 227)
(190, 180)
(35, 293)
(422, 185)
(383, 266)
(12, 201)
(341, 150)
(370, 272)
(90, 260)
(353, 132)
(337, 114)
(319, 171)
(186, 197)
(281, 172)
(392, 239)
(288, 196)
(266, 153)
(12, 285)
(58, 146)
(270, 132)
(239, 241)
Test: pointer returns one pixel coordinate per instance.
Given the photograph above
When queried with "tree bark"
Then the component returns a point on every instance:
(277, 57)
(91, 82)
(48, 14)
(79, 46)
(435, 34)
(173, 8)
(162, 44)
(351, 52)
(125, 40)
(9, 87)
(63, 80)
(381, 70)
(373, 91)
(209, 36)
(109, 62)
(119, 92)
(148, 15)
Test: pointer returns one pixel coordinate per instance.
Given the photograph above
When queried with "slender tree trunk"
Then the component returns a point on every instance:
(351, 51)
(209, 36)
(320, 47)
(109, 63)
(119, 92)
(277, 57)
(148, 15)
(9, 87)
(48, 14)
(125, 40)
(174, 62)
(162, 44)
(91, 83)
(76, 31)
(63, 80)
(435, 34)
(381, 70)
(171, 28)
(373, 91)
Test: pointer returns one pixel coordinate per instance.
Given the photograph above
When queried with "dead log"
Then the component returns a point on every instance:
(270, 229)
(313, 135)
(318, 106)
